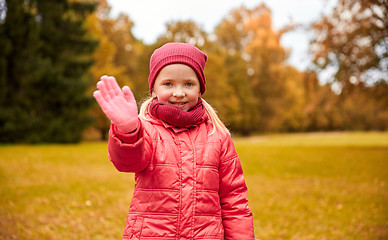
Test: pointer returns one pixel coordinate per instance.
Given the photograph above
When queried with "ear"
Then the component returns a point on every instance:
(154, 95)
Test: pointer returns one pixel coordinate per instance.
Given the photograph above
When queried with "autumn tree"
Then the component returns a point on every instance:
(246, 115)
(103, 62)
(231, 37)
(131, 55)
(274, 85)
(184, 31)
(353, 40)
(220, 93)
(118, 54)
(322, 110)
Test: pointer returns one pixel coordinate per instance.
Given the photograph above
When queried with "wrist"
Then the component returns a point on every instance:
(129, 127)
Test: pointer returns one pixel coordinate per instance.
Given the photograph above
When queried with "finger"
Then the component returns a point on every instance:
(128, 94)
(103, 90)
(100, 99)
(113, 87)
(108, 93)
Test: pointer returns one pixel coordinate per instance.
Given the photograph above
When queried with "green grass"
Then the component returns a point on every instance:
(301, 186)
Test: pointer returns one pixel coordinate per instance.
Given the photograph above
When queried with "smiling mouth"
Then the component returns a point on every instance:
(178, 104)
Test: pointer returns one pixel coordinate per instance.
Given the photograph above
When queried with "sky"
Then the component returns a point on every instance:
(150, 18)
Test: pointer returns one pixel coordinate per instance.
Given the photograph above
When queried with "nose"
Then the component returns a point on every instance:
(178, 93)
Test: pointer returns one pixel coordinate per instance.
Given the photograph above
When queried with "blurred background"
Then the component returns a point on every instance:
(295, 67)
(306, 80)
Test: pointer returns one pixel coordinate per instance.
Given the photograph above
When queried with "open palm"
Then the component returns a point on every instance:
(119, 105)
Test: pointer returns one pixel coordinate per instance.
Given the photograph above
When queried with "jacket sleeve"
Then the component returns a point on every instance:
(236, 215)
(128, 152)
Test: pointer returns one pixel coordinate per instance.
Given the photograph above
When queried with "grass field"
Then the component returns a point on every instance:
(301, 186)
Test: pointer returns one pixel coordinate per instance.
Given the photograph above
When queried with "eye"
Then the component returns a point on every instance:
(189, 84)
(167, 84)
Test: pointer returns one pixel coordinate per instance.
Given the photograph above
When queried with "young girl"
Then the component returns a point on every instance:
(189, 182)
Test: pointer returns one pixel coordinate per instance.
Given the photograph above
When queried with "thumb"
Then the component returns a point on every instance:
(128, 95)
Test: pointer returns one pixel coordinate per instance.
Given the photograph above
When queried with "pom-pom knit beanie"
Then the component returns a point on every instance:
(184, 53)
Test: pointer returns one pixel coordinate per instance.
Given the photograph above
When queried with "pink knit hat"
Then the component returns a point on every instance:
(184, 53)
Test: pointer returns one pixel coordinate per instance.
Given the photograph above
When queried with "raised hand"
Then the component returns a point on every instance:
(119, 105)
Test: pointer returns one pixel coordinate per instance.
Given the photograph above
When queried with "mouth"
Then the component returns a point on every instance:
(180, 105)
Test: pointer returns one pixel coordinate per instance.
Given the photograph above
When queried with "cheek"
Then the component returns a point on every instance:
(194, 99)
(161, 96)
(194, 95)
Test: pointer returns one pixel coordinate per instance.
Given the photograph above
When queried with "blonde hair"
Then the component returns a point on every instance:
(218, 125)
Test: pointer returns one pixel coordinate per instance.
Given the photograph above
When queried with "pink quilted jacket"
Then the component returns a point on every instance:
(189, 185)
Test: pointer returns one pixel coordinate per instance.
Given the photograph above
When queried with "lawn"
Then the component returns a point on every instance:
(301, 186)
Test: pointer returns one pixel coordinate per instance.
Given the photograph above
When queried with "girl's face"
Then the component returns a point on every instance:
(177, 85)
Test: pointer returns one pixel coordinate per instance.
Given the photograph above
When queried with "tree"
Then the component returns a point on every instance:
(184, 31)
(274, 85)
(232, 37)
(43, 65)
(104, 63)
(19, 38)
(322, 110)
(118, 54)
(353, 40)
(245, 117)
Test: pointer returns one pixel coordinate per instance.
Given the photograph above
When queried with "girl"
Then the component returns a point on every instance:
(189, 182)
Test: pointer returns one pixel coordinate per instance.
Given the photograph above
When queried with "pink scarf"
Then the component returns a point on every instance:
(175, 116)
